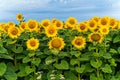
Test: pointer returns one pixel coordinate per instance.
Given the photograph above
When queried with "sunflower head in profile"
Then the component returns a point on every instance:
(13, 32)
(51, 31)
(45, 23)
(19, 17)
(58, 24)
(22, 26)
(95, 37)
(56, 43)
(32, 25)
(92, 25)
(113, 23)
(32, 44)
(79, 42)
(71, 22)
(104, 30)
(104, 21)
(5, 28)
(82, 27)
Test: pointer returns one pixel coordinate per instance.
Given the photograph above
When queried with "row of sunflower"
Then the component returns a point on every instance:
(57, 50)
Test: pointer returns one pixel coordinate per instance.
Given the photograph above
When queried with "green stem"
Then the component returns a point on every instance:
(97, 62)
(15, 61)
(79, 78)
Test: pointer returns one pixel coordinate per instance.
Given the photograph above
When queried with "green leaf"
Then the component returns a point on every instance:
(75, 53)
(36, 61)
(116, 39)
(10, 74)
(29, 70)
(118, 50)
(6, 56)
(96, 64)
(107, 56)
(3, 50)
(113, 51)
(73, 61)
(107, 69)
(63, 65)
(26, 59)
(93, 77)
(49, 60)
(80, 69)
(3, 68)
(17, 49)
(70, 75)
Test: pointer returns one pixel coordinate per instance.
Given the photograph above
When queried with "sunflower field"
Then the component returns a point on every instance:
(57, 50)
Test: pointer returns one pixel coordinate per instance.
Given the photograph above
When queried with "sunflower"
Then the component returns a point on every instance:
(104, 30)
(104, 22)
(45, 23)
(51, 30)
(58, 24)
(32, 44)
(82, 27)
(5, 28)
(56, 43)
(96, 18)
(13, 32)
(54, 20)
(11, 23)
(92, 25)
(113, 23)
(97, 37)
(32, 25)
(79, 42)
(19, 17)
(71, 22)
(22, 26)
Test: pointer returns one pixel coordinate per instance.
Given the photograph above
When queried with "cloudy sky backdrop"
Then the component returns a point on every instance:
(61, 9)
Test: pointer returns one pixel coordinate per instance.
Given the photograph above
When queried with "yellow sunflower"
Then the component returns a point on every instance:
(58, 24)
(19, 17)
(82, 27)
(71, 22)
(54, 20)
(51, 31)
(56, 43)
(104, 30)
(79, 42)
(113, 23)
(11, 23)
(5, 28)
(104, 21)
(97, 37)
(32, 25)
(32, 44)
(22, 26)
(45, 23)
(118, 25)
(96, 18)
(92, 25)
(13, 32)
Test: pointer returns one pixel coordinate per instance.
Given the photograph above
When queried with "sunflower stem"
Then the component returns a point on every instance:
(97, 62)
(79, 78)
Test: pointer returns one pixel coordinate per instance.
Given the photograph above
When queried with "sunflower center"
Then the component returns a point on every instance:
(95, 37)
(14, 31)
(112, 23)
(32, 43)
(58, 24)
(78, 41)
(23, 26)
(56, 43)
(104, 30)
(32, 25)
(51, 31)
(92, 24)
(19, 16)
(103, 22)
(72, 22)
(82, 27)
(45, 24)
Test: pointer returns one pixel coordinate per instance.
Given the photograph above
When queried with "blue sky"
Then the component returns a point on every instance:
(60, 9)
